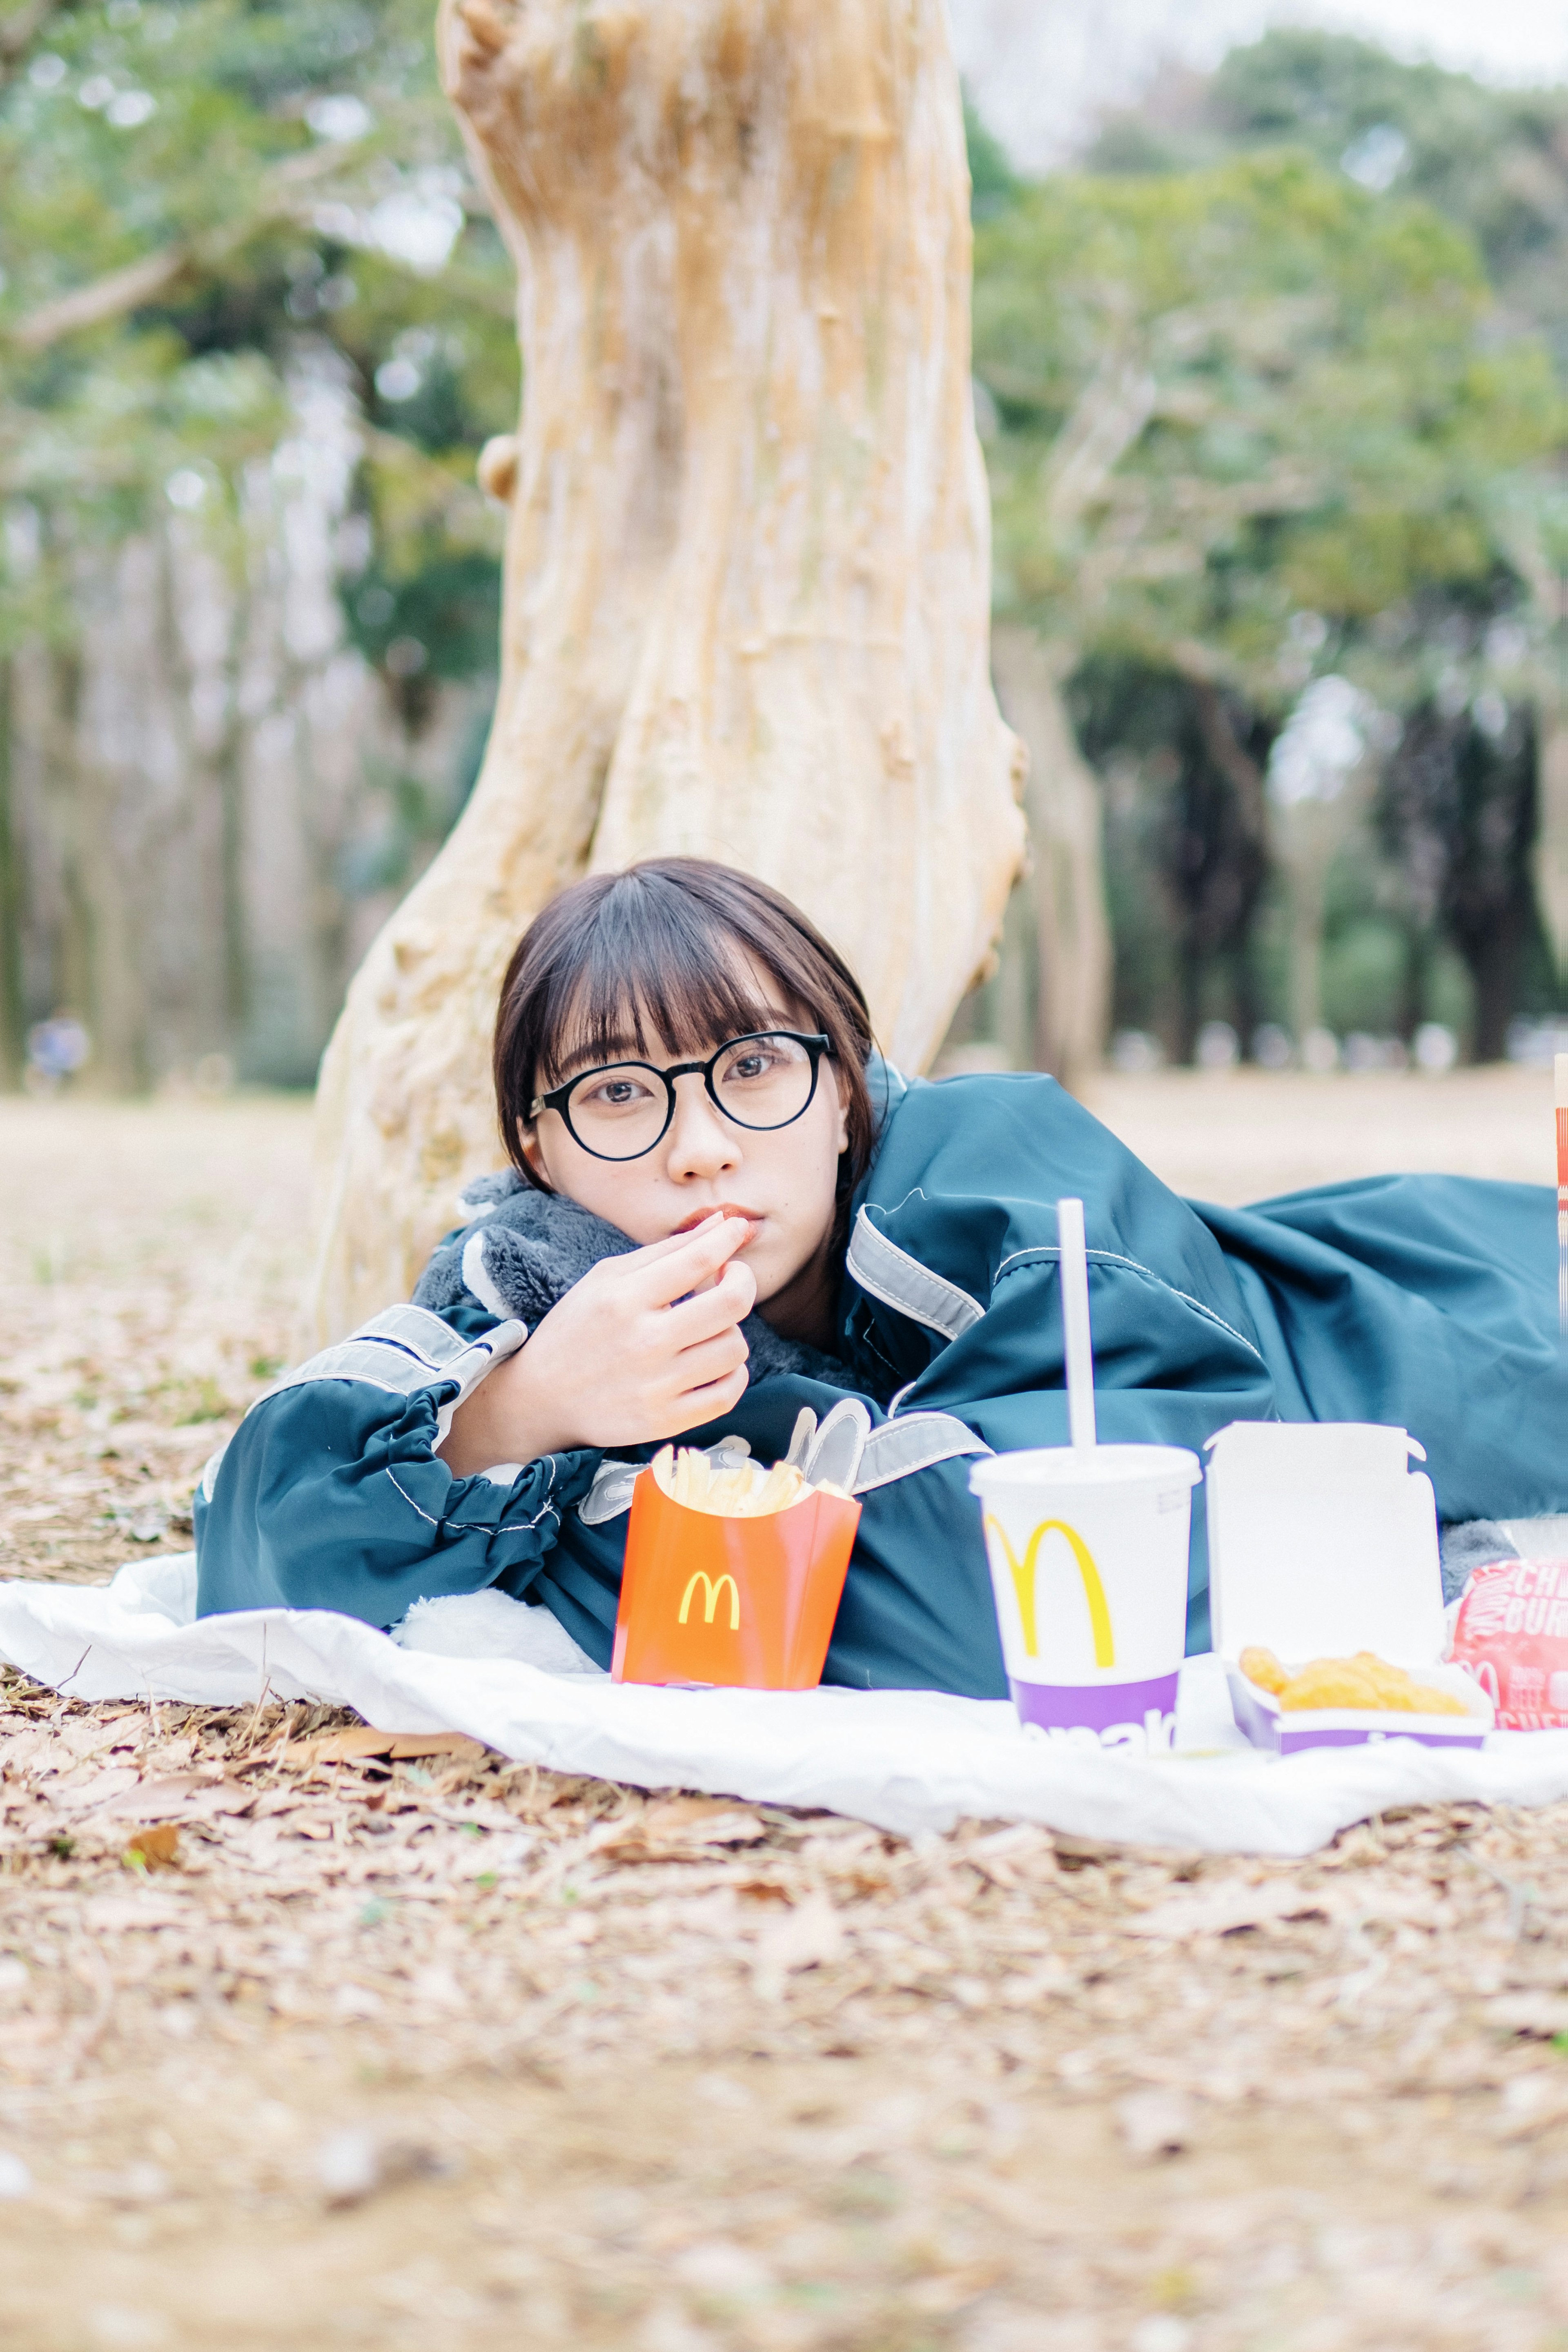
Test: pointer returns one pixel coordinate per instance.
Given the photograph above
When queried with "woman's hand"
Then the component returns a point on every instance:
(644, 1347)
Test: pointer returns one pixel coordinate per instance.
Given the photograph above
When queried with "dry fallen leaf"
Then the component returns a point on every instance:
(157, 1848)
(98, 1790)
(808, 1936)
(1022, 1847)
(1540, 2015)
(1154, 2122)
(1220, 1910)
(1532, 2106)
(354, 2164)
(361, 1745)
(677, 1828)
(184, 1794)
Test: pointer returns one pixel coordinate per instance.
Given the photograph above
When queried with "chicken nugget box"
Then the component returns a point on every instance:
(1323, 1543)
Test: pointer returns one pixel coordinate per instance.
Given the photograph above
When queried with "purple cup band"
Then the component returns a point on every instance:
(1296, 1743)
(1063, 1705)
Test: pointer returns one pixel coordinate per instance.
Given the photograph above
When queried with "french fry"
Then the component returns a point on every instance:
(739, 1490)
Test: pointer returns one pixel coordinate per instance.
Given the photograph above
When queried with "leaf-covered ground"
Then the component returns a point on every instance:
(303, 2038)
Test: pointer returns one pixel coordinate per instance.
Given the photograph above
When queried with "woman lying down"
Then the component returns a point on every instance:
(726, 1217)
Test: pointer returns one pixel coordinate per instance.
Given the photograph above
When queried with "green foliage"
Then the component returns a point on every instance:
(1276, 383)
(1496, 160)
(288, 174)
(992, 182)
(1232, 395)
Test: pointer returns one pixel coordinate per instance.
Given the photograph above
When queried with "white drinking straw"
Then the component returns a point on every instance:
(1562, 1091)
(1075, 1322)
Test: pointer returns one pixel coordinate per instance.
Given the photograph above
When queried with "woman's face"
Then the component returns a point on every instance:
(784, 1179)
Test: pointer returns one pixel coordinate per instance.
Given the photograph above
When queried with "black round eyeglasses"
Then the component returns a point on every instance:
(622, 1109)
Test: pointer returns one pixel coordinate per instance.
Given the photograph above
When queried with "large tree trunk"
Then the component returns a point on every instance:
(747, 572)
(1070, 928)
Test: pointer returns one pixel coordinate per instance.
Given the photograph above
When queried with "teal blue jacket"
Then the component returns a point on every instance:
(1426, 1301)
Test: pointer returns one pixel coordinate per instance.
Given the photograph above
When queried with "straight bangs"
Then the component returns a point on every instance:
(665, 957)
(647, 977)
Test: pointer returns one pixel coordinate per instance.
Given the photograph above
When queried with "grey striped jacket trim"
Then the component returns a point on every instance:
(914, 1442)
(403, 1349)
(900, 1281)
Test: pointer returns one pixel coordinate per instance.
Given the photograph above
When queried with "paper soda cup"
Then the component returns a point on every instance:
(1089, 1564)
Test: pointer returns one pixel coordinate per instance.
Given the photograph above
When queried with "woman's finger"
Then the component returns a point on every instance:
(665, 1273)
(704, 1405)
(648, 1253)
(727, 1301)
(713, 1360)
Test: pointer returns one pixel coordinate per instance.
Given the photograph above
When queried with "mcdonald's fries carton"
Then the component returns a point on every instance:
(731, 1576)
(1326, 1592)
(1089, 1554)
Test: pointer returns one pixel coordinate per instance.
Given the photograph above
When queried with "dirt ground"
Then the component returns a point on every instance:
(299, 2041)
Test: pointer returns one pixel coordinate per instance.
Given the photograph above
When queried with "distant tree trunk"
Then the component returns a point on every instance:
(13, 1010)
(1415, 977)
(1489, 902)
(1307, 836)
(1217, 856)
(1494, 970)
(229, 781)
(1066, 887)
(1551, 861)
(747, 574)
(76, 963)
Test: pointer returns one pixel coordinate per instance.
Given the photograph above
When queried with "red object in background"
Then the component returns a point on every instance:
(1511, 1633)
(741, 1602)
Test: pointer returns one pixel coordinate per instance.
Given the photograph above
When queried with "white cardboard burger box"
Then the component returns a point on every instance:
(1322, 1541)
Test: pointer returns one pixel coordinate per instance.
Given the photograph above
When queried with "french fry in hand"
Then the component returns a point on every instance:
(739, 1490)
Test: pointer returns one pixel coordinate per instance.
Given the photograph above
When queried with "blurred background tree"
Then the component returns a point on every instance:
(254, 323)
(1271, 387)
(1274, 387)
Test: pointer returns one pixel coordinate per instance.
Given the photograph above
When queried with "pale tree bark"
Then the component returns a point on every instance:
(747, 571)
(1552, 836)
(1071, 930)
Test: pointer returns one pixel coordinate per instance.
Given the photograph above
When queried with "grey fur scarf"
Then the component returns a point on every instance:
(524, 1250)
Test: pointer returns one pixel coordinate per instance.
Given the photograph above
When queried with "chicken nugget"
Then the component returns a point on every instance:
(1431, 1701)
(1262, 1667)
(1330, 1681)
(1402, 1693)
(1394, 1687)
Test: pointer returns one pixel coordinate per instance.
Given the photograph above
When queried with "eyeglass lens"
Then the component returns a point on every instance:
(622, 1111)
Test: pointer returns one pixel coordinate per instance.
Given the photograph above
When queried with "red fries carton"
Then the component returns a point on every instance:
(707, 1599)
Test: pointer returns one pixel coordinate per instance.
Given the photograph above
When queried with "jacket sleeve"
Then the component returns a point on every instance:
(330, 1494)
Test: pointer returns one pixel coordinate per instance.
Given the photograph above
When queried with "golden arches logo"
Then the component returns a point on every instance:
(711, 1597)
(1023, 1585)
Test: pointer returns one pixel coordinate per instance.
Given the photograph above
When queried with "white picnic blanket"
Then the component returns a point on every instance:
(907, 1760)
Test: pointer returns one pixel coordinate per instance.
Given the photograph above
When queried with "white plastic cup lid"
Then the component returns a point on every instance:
(1099, 1465)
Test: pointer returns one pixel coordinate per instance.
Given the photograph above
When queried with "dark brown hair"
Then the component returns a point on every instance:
(659, 952)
